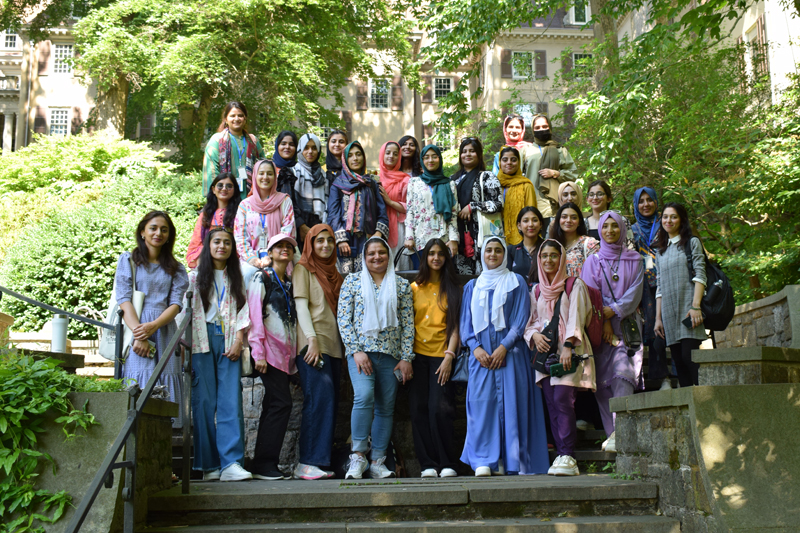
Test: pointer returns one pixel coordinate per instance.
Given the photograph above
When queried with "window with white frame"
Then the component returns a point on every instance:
(379, 94)
(521, 65)
(442, 87)
(59, 121)
(580, 13)
(526, 111)
(580, 65)
(9, 40)
(62, 59)
(444, 139)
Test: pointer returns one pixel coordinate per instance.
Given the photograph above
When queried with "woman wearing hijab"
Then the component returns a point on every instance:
(316, 285)
(573, 314)
(232, 149)
(310, 193)
(285, 158)
(618, 274)
(376, 321)
(432, 205)
(514, 133)
(547, 164)
(337, 141)
(478, 191)
(505, 422)
(569, 191)
(393, 186)
(356, 210)
(645, 229)
(410, 162)
(262, 216)
(517, 192)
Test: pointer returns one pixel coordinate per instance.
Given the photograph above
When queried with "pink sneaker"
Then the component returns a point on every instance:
(309, 472)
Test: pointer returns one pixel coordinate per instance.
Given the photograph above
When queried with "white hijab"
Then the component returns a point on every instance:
(380, 310)
(502, 281)
(316, 196)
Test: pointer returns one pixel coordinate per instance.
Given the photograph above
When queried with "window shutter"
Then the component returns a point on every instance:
(427, 133)
(427, 95)
(362, 95)
(542, 109)
(40, 120)
(77, 120)
(566, 63)
(347, 117)
(763, 51)
(569, 116)
(505, 64)
(397, 93)
(541, 63)
(45, 63)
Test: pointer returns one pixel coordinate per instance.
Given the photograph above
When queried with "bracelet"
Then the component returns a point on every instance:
(450, 352)
(695, 308)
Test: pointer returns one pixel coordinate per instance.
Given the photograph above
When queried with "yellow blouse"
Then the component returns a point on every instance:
(430, 321)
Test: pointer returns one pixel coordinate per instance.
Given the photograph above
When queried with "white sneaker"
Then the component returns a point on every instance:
(567, 467)
(666, 384)
(500, 470)
(552, 470)
(483, 471)
(448, 472)
(309, 472)
(378, 470)
(429, 472)
(211, 476)
(610, 444)
(235, 473)
(358, 465)
(583, 425)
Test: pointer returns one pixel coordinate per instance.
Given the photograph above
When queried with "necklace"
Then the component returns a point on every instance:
(614, 269)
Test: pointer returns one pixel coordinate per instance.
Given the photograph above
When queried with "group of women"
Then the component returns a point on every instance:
(294, 264)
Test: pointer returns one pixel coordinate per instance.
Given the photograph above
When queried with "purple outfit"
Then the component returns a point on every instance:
(617, 374)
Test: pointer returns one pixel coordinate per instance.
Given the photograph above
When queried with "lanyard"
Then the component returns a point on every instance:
(220, 297)
(286, 296)
(241, 150)
(263, 222)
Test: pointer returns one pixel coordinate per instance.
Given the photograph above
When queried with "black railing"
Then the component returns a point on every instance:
(127, 435)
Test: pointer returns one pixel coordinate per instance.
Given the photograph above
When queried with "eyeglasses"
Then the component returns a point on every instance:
(554, 257)
(600, 194)
(220, 228)
(224, 186)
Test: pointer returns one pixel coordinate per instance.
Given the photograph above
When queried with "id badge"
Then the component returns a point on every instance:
(219, 327)
(242, 178)
(648, 262)
(262, 243)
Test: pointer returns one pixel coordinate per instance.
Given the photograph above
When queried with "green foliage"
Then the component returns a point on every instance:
(69, 259)
(60, 174)
(28, 390)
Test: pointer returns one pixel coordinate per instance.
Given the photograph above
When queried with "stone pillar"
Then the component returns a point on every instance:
(8, 132)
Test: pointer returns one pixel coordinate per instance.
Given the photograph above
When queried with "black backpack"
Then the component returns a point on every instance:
(718, 304)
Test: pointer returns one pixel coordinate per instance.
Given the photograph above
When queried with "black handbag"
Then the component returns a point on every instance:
(461, 366)
(630, 331)
(539, 359)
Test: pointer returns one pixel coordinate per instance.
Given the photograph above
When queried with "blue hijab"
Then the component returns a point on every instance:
(648, 225)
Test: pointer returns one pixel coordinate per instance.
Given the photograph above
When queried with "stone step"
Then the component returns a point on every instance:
(594, 524)
(397, 500)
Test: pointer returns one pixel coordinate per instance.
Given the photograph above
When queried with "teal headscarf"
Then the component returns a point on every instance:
(443, 198)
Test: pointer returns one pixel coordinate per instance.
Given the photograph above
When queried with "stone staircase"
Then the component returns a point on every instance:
(508, 504)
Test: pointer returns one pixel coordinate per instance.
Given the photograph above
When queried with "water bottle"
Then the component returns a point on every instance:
(714, 291)
(58, 340)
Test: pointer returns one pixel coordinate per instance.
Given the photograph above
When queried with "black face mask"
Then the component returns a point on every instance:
(542, 135)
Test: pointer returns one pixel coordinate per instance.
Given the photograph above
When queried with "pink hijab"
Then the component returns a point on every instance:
(516, 144)
(549, 291)
(396, 185)
(271, 207)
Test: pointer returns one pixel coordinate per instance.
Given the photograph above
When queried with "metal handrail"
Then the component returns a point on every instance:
(127, 435)
(54, 310)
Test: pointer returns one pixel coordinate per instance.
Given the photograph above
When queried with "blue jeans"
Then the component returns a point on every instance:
(217, 389)
(373, 403)
(320, 402)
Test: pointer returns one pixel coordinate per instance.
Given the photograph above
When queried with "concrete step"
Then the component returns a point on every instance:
(398, 500)
(594, 524)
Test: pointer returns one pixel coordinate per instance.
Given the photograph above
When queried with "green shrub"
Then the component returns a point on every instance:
(28, 389)
(69, 259)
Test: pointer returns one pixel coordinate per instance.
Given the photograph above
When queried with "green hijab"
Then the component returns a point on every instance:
(443, 198)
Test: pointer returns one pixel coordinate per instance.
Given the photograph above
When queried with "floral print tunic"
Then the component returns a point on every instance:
(491, 201)
(423, 223)
(247, 227)
(578, 252)
(273, 331)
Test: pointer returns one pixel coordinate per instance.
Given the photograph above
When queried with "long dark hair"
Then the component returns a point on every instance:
(606, 189)
(450, 289)
(533, 273)
(212, 203)
(557, 233)
(141, 255)
(662, 237)
(416, 164)
(476, 144)
(205, 271)
(223, 122)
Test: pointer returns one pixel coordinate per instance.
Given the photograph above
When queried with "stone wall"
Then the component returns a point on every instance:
(765, 322)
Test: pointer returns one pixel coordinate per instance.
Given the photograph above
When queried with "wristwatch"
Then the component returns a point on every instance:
(568, 345)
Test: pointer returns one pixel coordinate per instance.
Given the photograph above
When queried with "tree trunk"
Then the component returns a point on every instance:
(193, 127)
(605, 31)
(112, 107)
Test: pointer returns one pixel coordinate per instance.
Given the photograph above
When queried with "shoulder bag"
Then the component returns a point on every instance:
(630, 331)
(551, 332)
(489, 224)
(108, 341)
(461, 366)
